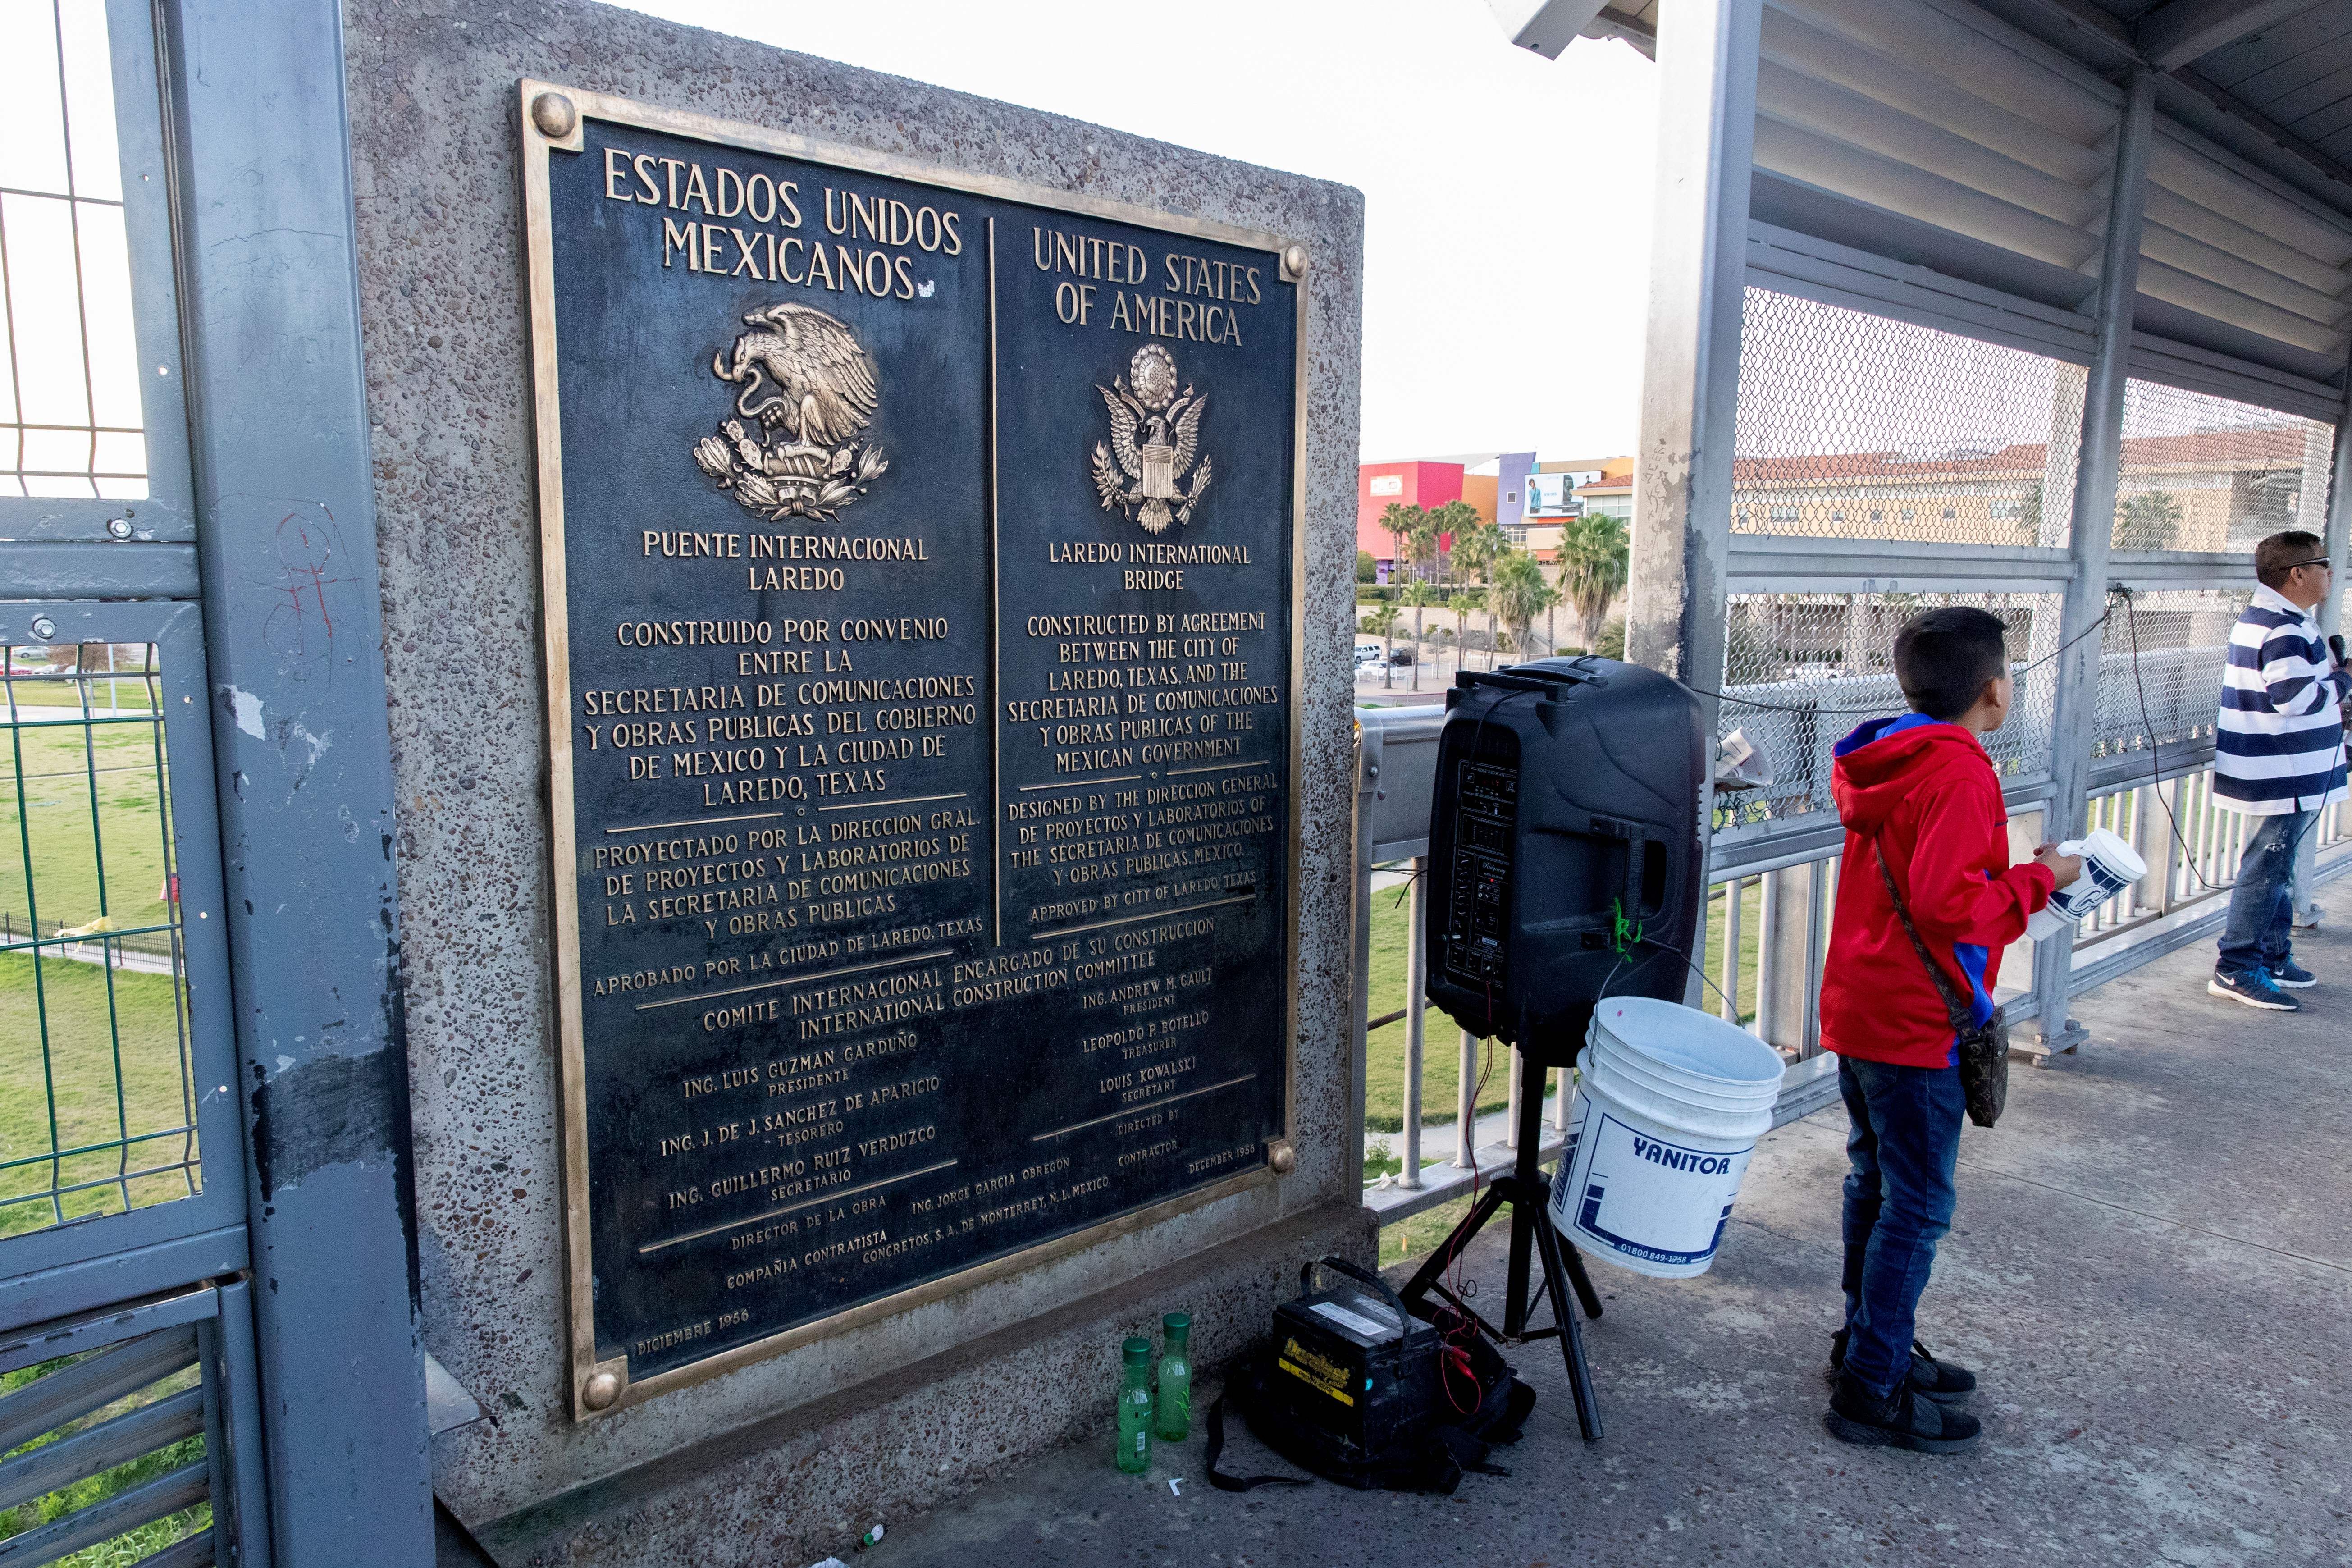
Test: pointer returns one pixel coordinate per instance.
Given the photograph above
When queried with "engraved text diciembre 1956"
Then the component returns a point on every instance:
(924, 720)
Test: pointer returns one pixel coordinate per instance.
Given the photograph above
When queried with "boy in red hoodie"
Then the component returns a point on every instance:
(1920, 791)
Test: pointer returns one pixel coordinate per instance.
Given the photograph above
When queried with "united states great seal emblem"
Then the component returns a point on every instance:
(809, 390)
(1154, 433)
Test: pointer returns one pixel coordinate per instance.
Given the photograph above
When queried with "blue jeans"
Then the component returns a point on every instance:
(1898, 1205)
(2261, 913)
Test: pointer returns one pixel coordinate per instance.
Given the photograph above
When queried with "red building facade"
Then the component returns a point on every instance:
(1426, 485)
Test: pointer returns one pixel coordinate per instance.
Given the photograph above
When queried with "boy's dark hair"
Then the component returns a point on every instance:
(2281, 552)
(1943, 658)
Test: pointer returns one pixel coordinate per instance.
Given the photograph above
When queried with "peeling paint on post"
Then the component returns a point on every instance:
(1677, 578)
(286, 545)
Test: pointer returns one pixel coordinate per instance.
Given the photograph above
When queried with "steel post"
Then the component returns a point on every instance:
(2337, 531)
(286, 542)
(1416, 1001)
(1369, 747)
(1511, 1118)
(2075, 716)
(1466, 1105)
(1732, 891)
(1678, 574)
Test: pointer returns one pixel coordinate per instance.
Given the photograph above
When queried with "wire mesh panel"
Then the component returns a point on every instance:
(1801, 670)
(1858, 427)
(2201, 472)
(97, 1094)
(70, 422)
(2161, 661)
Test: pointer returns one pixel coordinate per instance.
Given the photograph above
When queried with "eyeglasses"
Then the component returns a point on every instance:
(2315, 561)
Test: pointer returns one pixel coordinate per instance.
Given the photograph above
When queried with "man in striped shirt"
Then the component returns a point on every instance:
(2278, 757)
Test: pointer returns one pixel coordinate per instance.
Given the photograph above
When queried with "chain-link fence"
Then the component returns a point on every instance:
(1802, 671)
(2160, 660)
(2201, 472)
(96, 1108)
(1856, 426)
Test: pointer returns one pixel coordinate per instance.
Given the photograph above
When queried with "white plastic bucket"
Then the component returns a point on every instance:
(2110, 866)
(1669, 1104)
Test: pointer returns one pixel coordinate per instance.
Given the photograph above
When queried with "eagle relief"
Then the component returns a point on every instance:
(809, 391)
(1154, 433)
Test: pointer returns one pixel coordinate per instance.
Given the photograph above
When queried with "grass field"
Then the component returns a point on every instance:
(90, 1056)
(1384, 1069)
(71, 800)
(89, 1086)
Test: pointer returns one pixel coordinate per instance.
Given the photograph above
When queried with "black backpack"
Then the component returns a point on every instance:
(1444, 1431)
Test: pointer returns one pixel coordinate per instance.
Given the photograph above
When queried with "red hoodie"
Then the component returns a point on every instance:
(1925, 793)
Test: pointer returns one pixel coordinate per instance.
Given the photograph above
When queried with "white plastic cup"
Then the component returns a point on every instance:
(2110, 866)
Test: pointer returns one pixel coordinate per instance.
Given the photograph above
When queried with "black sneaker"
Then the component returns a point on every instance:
(2289, 975)
(1859, 1417)
(1931, 1379)
(2254, 989)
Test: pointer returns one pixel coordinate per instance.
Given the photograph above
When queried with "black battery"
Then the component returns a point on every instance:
(1350, 1361)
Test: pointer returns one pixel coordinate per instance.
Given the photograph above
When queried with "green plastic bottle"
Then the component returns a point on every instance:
(1135, 1406)
(1174, 1411)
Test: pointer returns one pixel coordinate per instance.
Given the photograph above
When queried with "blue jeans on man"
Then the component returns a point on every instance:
(1898, 1203)
(2258, 934)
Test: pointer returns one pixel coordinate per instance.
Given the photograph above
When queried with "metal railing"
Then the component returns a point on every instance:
(1765, 941)
(127, 1428)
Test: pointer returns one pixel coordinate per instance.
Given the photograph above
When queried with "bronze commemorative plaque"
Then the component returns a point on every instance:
(919, 554)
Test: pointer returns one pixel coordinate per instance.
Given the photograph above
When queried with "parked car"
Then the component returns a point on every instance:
(1400, 657)
(1367, 653)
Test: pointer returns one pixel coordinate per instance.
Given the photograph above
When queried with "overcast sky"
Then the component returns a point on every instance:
(1507, 196)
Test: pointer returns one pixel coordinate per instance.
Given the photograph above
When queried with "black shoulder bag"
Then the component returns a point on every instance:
(1984, 1049)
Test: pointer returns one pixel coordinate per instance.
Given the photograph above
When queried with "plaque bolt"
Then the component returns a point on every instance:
(1294, 261)
(44, 627)
(600, 1389)
(1282, 1158)
(554, 115)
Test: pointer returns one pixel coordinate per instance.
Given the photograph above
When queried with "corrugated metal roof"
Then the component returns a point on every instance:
(1978, 139)
(2295, 72)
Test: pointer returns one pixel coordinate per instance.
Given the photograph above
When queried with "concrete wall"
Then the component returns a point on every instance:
(784, 1460)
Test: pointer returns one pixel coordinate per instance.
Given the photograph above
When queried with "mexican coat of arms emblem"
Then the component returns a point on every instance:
(809, 391)
(1155, 432)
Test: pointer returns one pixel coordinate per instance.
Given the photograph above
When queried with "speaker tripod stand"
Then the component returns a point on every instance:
(1532, 1235)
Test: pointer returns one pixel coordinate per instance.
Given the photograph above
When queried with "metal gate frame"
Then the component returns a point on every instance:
(254, 561)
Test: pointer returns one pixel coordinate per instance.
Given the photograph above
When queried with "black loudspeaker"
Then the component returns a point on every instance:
(1564, 858)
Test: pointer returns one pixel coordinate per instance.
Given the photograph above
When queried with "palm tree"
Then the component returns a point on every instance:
(1519, 595)
(1423, 542)
(1468, 601)
(1481, 550)
(1457, 518)
(1399, 521)
(1417, 596)
(2148, 521)
(1382, 624)
(1592, 557)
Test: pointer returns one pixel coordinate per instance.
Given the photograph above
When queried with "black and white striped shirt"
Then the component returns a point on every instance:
(2278, 746)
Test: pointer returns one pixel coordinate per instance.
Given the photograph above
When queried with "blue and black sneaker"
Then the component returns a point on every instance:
(2253, 988)
(2289, 975)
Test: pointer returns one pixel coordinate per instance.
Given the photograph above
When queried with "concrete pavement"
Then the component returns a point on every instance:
(2152, 1270)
